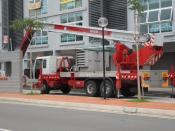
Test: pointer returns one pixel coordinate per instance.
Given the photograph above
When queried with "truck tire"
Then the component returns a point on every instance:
(45, 88)
(109, 88)
(65, 89)
(127, 91)
(91, 88)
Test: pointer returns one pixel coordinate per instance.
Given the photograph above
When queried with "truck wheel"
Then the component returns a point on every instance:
(109, 88)
(128, 91)
(45, 88)
(65, 89)
(91, 88)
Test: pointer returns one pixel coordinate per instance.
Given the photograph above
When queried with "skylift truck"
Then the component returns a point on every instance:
(58, 72)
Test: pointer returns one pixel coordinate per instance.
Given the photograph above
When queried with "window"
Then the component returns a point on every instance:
(71, 37)
(78, 3)
(157, 16)
(143, 17)
(40, 38)
(143, 28)
(40, 11)
(144, 4)
(165, 14)
(153, 16)
(64, 19)
(70, 4)
(78, 16)
(154, 28)
(72, 19)
(44, 63)
(44, 7)
(153, 4)
(38, 63)
(34, 1)
(166, 26)
(166, 3)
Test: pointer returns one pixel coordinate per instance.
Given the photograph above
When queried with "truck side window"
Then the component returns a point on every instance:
(44, 63)
(38, 63)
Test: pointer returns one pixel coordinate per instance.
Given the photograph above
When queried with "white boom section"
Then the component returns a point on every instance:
(91, 74)
(127, 37)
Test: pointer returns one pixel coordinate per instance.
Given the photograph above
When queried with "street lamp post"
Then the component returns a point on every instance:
(103, 22)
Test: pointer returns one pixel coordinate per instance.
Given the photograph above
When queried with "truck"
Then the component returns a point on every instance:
(62, 73)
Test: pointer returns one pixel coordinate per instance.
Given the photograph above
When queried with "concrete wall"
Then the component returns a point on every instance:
(13, 70)
(0, 26)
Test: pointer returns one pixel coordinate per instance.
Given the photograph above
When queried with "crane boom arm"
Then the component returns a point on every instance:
(126, 37)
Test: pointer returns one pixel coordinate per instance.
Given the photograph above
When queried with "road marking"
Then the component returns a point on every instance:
(4, 130)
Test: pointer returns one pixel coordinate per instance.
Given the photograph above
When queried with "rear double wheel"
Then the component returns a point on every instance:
(91, 88)
(109, 88)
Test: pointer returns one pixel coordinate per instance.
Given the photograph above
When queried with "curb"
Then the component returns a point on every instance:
(170, 114)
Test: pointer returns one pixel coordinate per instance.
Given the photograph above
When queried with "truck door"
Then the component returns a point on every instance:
(37, 67)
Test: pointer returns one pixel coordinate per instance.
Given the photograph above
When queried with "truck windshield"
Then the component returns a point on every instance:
(72, 62)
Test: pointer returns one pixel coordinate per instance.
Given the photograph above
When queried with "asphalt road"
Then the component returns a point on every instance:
(15, 117)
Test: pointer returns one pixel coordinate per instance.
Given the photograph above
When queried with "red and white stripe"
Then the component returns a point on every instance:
(129, 77)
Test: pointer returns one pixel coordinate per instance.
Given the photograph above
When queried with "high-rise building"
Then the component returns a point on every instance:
(74, 12)
(10, 10)
(9, 39)
(0, 26)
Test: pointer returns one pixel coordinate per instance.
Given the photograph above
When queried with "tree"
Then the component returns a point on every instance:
(136, 6)
(26, 24)
(29, 25)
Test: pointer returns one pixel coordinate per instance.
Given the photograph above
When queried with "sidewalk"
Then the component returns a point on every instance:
(112, 105)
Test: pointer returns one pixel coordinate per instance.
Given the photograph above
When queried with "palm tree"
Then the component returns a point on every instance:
(30, 26)
(27, 24)
(137, 7)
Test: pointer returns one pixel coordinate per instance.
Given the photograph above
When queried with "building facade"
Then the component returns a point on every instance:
(9, 11)
(9, 39)
(157, 18)
(0, 26)
(74, 12)
(10, 58)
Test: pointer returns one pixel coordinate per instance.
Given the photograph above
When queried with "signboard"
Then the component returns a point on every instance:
(5, 39)
(66, 1)
(34, 6)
